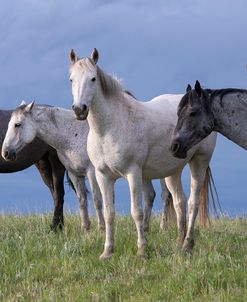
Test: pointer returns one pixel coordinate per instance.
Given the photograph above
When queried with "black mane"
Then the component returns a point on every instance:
(222, 92)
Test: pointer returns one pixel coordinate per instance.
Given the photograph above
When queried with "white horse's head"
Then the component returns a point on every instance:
(83, 76)
(21, 131)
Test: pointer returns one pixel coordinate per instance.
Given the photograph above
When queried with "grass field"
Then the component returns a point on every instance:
(36, 265)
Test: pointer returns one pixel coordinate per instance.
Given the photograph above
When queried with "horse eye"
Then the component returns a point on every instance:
(70, 80)
(17, 125)
(194, 112)
(93, 79)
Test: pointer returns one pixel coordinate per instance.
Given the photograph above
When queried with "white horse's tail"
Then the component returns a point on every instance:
(206, 203)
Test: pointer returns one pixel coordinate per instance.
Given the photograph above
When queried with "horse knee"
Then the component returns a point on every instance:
(98, 204)
(137, 214)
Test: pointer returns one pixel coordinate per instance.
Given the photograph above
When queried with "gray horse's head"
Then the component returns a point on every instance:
(195, 120)
(20, 132)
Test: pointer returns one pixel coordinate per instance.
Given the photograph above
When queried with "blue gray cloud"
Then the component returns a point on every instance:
(154, 46)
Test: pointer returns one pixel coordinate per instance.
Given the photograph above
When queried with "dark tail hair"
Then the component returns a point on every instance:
(209, 188)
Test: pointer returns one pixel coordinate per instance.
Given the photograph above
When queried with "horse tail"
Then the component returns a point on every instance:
(209, 189)
(70, 183)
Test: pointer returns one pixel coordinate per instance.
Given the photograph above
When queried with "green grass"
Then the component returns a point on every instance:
(36, 265)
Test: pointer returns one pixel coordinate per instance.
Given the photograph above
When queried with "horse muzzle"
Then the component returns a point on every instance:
(81, 112)
(9, 154)
(177, 150)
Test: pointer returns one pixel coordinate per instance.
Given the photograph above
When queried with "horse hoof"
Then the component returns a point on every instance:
(141, 253)
(188, 246)
(105, 256)
(101, 227)
(163, 226)
(146, 228)
(86, 227)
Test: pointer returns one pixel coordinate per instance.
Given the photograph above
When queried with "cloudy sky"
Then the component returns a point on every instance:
(155, 47)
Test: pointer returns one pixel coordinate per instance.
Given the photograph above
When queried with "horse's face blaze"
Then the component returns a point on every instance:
(83, 79)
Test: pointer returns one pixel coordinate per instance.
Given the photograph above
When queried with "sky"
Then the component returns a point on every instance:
(155, 47)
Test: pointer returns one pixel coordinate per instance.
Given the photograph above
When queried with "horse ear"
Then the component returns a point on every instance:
(29, 107)
(198, 88)
(95, 56)
(188, 89)
(73, 56)
(22, 103)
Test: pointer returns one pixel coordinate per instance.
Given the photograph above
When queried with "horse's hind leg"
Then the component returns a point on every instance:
(166, 202)
(174, 185)
(81, 193)
(97, 199)
(149, 196)
(52, 173)
(198, 168)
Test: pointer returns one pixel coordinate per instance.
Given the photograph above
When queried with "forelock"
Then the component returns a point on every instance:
(18, 111)
(184, 101)
(85, 64)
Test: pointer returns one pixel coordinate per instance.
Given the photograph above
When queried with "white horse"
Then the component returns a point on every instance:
(131, 139)
(59, 129)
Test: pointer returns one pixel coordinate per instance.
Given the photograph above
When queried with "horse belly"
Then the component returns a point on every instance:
(161, 163)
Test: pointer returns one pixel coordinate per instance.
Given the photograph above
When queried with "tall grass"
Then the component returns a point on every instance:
(37, 265)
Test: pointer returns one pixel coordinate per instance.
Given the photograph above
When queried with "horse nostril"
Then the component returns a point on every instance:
(5, 154)
(73, 107)
(84, 108)
(175, 147)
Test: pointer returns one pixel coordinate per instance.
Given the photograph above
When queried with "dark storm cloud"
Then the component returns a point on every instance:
(154, 46)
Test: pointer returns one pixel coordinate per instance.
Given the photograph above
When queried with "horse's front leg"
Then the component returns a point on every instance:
(198, 171)
(106, 186)
(149, 196)
(135, 184)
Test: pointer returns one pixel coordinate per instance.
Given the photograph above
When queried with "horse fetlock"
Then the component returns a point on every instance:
(188, 245)
(146, 223)
(163, 222)
(141, 251)
(101, 225)
(86, 225)
(108, 252)
(146, 227)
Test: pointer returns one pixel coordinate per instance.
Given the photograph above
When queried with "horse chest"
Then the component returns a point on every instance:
(108, 156)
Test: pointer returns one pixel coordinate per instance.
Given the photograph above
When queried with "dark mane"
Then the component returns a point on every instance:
(184, 101)
(110, 86)
(222, 92)
(131, 94)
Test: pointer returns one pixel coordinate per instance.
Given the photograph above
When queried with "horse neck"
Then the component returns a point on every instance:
(51, 126)
(102, 112)
(230, 116)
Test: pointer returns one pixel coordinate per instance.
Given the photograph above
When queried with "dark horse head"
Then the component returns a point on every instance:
(195, 120)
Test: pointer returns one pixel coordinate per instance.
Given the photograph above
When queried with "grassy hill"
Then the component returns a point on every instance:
(36, 265)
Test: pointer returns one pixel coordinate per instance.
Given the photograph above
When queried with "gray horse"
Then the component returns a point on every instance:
(45, 158)
(202, 111)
